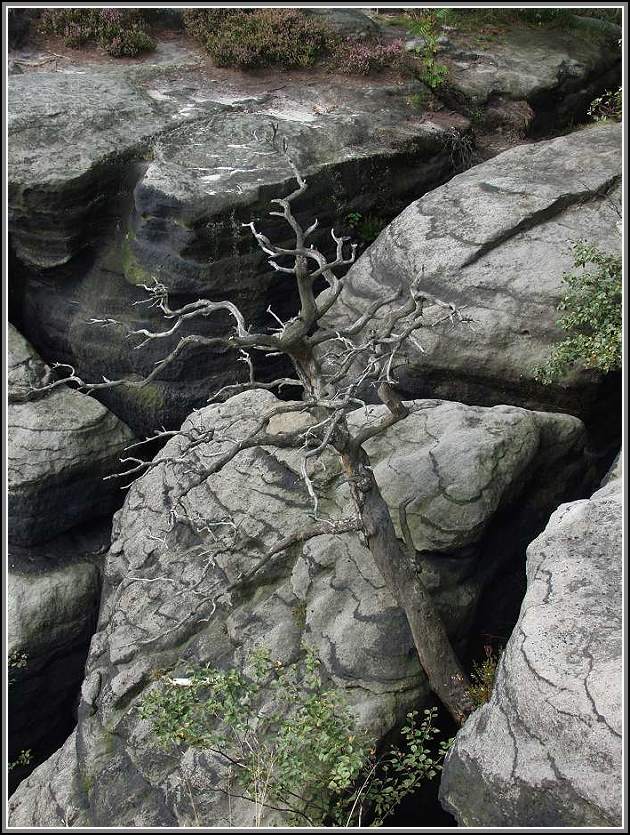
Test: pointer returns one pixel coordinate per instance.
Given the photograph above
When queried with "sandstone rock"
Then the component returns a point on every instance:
(181, 537)
(546, 749)
(557, 72)
(179, 158)
(60, 447)
(495, 240)
(53, 593)
(350, 23)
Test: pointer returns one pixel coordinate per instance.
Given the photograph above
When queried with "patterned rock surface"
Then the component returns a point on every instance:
(181, 537)
(60, 447)
(546, 749)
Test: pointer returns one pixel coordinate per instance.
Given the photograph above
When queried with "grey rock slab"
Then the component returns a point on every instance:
(353, 23)
(182, 536)
(60, 805)
(526, 62)
(496, 241)
(546, 749)
(25, 369)
(60, 447)
(120, 175)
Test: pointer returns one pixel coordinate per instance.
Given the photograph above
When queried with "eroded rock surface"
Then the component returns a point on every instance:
(53, 593)
(546, 749)
(175, 548)
(496, 240)
(558, 72)
(125, 174)
(60, 447)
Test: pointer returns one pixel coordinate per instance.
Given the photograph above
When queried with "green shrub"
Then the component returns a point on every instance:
(23, 759)
(592, 315)
(15, 661)
(199, 23)
(607, 107)
(482, 677)
(367, 227)
(260, 38)
(426, 25)
(302, 753)
(120, 32)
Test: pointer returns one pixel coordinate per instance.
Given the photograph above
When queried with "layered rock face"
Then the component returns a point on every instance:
(53, 593)
(122, 175)
(546, 750)
(557, 73)
(60, 446)
(495, 241)
(125, 175)
(182, 537)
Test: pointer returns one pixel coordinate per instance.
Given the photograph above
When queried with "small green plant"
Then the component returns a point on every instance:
(24, 758)
(592, 315)
(299, 614)
(366, 227)
(291, 742)
(482, 677)
(607, 107)
(432, 72)
(417, 101)
(17, 660)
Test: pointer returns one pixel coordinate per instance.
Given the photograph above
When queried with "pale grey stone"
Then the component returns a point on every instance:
(496, 241)
(546, 749)
(169, 559)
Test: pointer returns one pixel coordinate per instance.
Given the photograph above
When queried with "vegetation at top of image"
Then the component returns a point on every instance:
(289, 39)
(425, 25)
(592, 315)
(482, 677)
(252, 38)
(120, 32)
(290, 743)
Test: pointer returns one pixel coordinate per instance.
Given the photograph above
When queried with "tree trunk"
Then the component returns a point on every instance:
(437, 657)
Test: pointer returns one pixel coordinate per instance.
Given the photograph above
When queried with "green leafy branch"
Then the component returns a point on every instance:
(592, 315)
(291, 743)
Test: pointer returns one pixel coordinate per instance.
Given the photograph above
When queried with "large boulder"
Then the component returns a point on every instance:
(557, 71)
(495, 240)
(182, 537)
(179, 156)
(546, 750)
(53, 593)
(60, 448)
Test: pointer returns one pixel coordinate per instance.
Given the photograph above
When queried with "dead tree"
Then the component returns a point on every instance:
(332, 367)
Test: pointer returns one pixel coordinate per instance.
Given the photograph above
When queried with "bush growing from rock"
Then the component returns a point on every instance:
(482, 677)
(120, 32)
(200, 23)
(592, 316)
(607, 106)
(301, 752)
(355, 57)
(260, 38)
